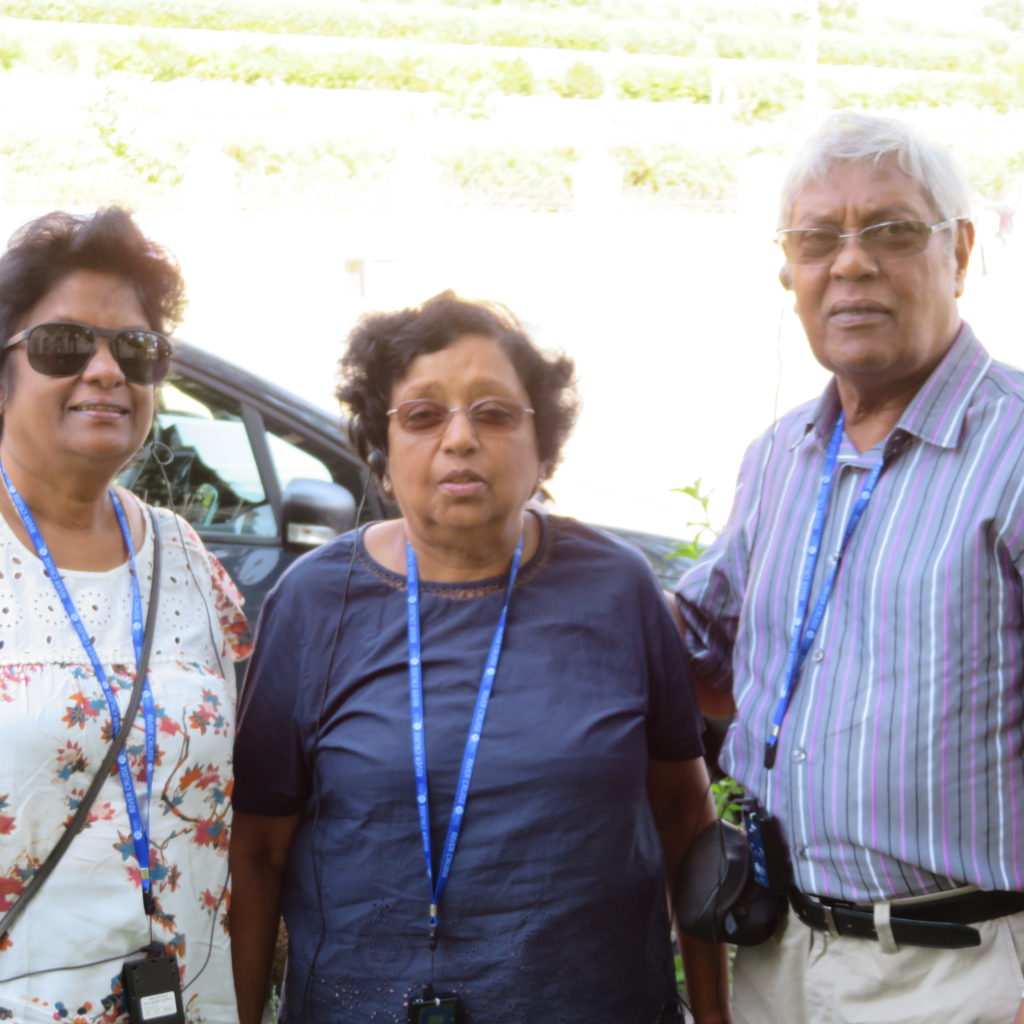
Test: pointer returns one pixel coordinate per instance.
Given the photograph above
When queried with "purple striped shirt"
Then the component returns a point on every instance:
(900, 767)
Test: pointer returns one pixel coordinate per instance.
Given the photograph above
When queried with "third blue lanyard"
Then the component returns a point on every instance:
(802, 637)
(419, 751)
(140, 828)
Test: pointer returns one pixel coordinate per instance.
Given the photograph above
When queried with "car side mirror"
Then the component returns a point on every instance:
(314, 512)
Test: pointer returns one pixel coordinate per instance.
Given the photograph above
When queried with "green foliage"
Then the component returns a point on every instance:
(766, 97)
(606, 25)
(837, 12)
(581, 81)
(63, 56)
(572, 30)
(728, 794)
(1001, 93)
(514, 77)
(909, 51)
(661, 84)
(693, 548)
(533, 179)
(745, 43)
(159, 59)
(670, 38)
(466, 81)
(339, 174)
(992, 175)
(11, 53)
(121, 143)
(1009, 12)
(697, 174)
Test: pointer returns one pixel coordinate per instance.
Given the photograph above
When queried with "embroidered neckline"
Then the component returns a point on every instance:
(463, 591)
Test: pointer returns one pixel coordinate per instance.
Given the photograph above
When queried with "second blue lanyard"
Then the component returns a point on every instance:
(419, 750)
(802, 636)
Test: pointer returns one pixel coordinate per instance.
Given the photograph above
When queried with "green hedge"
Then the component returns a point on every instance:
(721, 32)
(162, 61)
(1002, 93)
(538, 180)
(661, 84)
(579, 31)
(580, 82)
(469, 83)
(654, 170)
(923, 54)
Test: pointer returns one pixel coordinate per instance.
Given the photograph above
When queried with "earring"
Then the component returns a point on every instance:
(386, 485)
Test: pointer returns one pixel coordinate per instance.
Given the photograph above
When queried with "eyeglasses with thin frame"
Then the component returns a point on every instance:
(890, 240)
(426, 418)
(62, 349)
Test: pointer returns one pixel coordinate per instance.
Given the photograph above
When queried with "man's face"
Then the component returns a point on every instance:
(881, 325)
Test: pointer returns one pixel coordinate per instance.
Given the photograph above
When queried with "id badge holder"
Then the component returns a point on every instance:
(435, 1010)
(152, 991)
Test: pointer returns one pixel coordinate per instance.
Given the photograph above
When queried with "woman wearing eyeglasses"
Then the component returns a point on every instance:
(465, 729)
(84, 302)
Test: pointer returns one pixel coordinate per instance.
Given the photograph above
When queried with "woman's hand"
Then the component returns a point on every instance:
(680, 796)
(259, 851)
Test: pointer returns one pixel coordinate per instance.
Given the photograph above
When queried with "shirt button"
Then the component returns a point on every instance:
(818, 655)
(833, 558)
(802, 853)
(799, 755)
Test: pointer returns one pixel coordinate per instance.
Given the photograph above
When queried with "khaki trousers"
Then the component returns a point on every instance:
(800, 976)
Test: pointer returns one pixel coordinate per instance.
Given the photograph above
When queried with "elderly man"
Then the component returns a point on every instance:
(863, 612)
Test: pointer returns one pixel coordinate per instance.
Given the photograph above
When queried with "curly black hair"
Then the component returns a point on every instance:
(382, 345)
(47, 249)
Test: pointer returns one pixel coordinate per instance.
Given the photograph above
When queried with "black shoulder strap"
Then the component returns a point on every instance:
(75, 825)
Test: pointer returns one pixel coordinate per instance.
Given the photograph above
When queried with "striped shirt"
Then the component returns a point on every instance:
(900, 768)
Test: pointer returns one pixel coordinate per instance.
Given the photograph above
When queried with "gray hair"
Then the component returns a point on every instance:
(850, 136)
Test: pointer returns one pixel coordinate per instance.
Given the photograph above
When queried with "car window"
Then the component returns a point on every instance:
(214, 479)
(214, 475)
(292, 463)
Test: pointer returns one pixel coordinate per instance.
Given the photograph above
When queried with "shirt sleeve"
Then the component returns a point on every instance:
(674, 725)
(272, 771)
(710, 594)
(227, 598)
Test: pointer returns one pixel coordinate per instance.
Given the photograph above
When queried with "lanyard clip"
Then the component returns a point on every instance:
(432, 939)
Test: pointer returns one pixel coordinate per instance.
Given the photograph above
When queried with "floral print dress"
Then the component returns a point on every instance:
(62, 960)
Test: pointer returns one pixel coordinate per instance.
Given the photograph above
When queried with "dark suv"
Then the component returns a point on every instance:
(263, 475)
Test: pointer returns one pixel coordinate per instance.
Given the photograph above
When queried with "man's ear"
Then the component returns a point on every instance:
(962, 253)
(786, 277)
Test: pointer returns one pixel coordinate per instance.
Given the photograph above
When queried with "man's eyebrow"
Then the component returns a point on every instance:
(895, 211)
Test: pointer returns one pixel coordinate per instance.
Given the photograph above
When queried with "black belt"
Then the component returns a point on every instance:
(940, 923)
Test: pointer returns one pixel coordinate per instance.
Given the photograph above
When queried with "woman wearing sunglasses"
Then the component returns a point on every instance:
(84, 303)
(465, 729)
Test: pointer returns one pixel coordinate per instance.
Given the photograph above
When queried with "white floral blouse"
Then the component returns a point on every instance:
(62, 959)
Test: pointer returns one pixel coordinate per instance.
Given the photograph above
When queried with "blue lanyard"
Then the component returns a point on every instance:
(140, 830)
(802, 638)
(419, 752)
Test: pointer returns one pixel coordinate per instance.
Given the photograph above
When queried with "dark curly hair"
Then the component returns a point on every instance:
(47, 249)
(382, 345)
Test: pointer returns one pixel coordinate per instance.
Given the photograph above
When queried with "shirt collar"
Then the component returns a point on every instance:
(936, 413)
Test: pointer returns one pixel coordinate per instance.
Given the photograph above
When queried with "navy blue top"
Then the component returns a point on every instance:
(555, 910)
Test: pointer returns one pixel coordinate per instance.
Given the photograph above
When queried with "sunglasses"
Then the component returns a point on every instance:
(889, 240)
(425, 417)
(61, 349)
